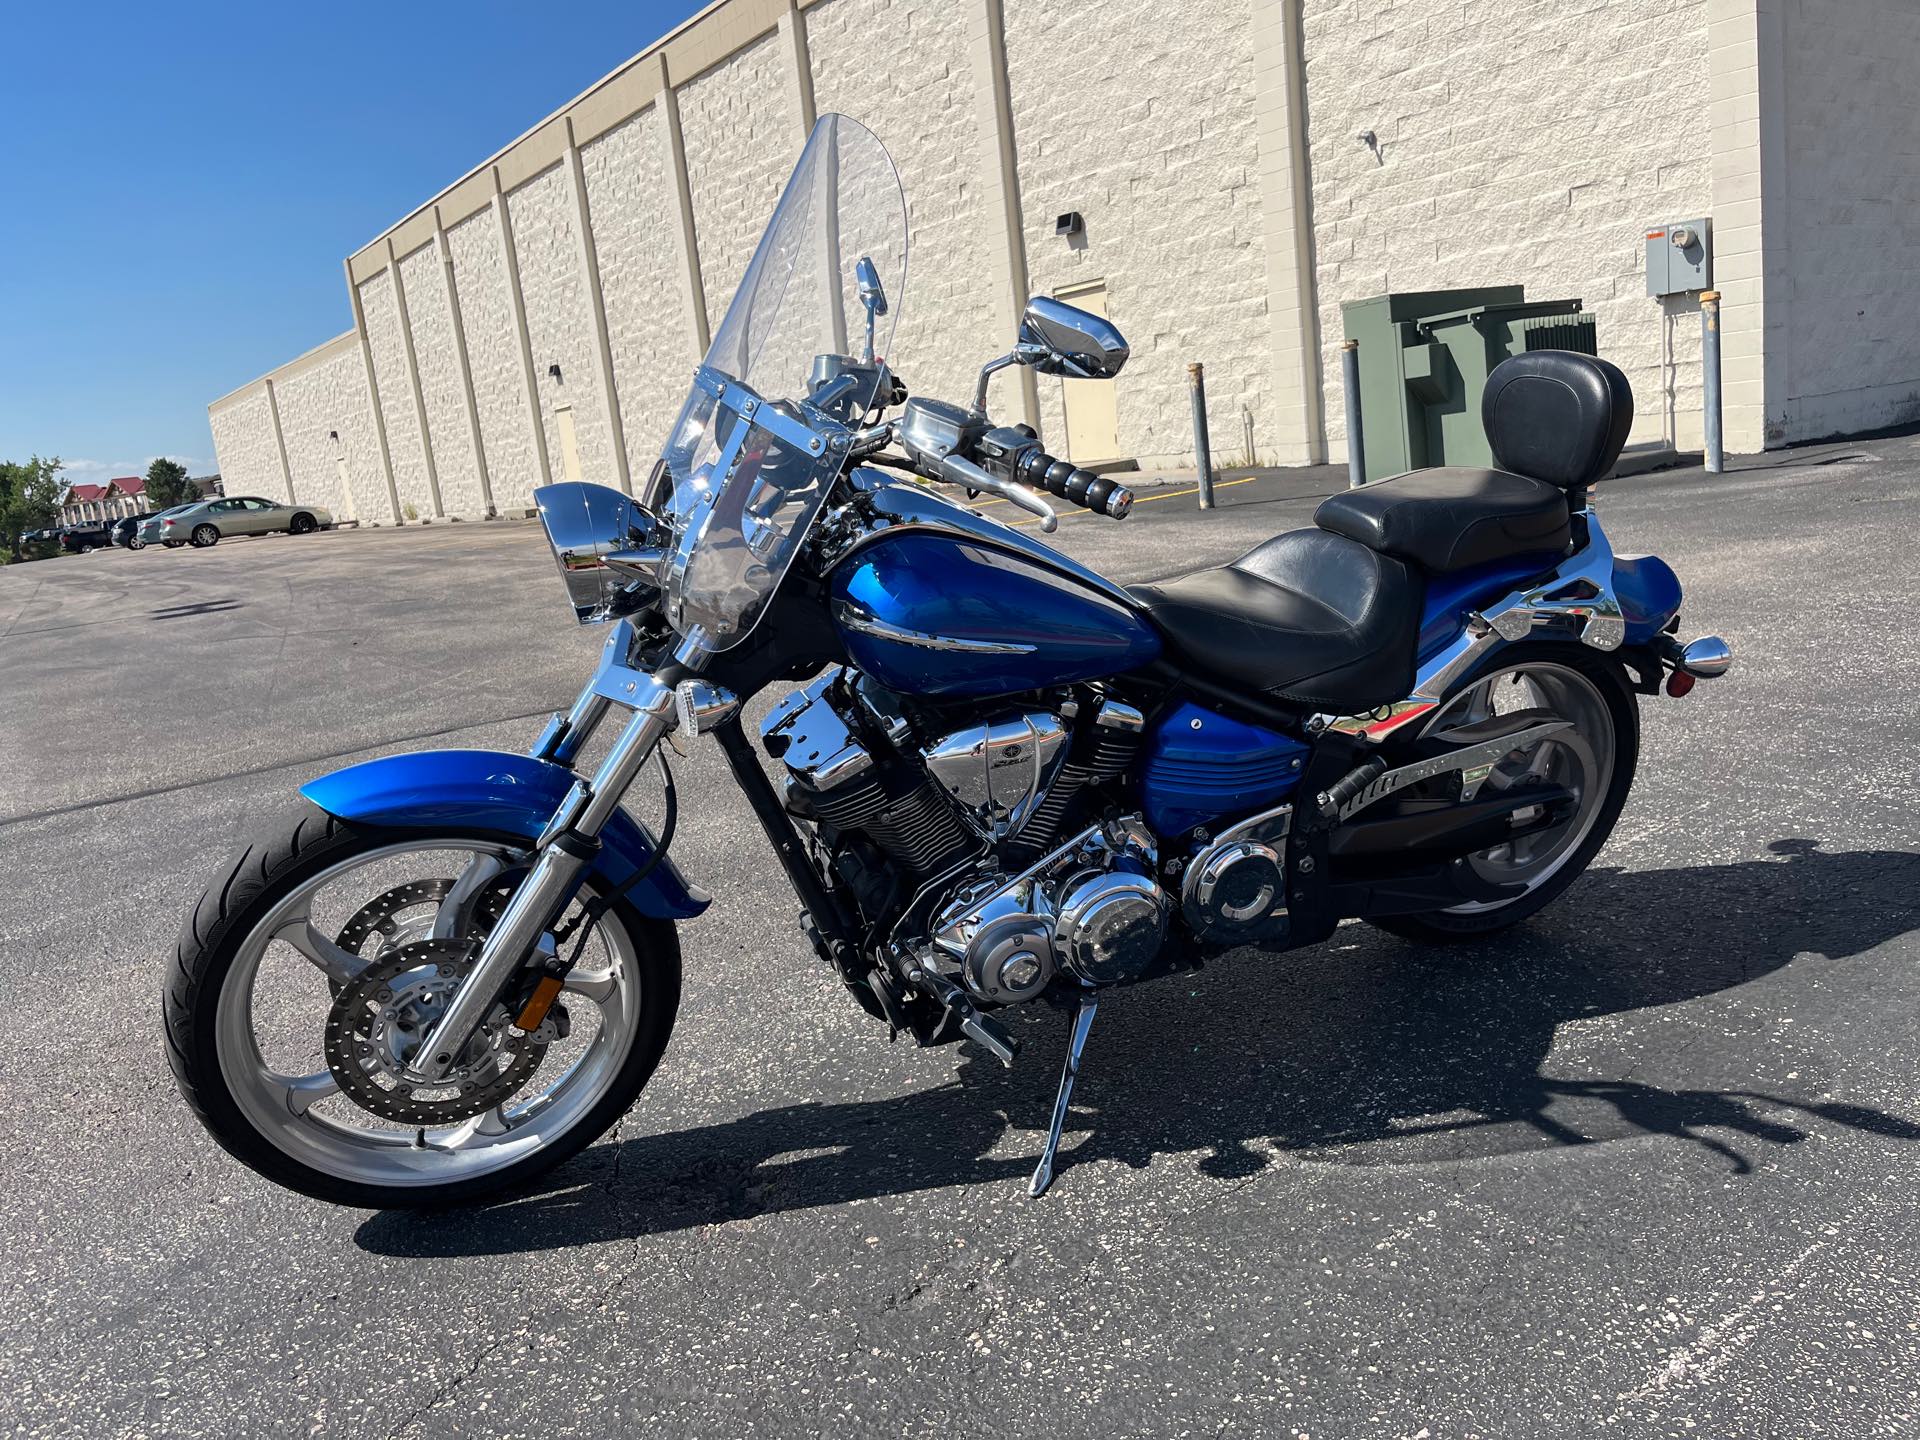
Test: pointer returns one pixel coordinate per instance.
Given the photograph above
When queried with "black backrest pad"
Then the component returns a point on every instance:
(1557, 416)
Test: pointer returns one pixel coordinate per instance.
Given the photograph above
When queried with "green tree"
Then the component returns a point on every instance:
(29, 500)
(167, 484)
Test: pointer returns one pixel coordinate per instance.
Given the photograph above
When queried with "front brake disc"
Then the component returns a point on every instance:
(381, 1017)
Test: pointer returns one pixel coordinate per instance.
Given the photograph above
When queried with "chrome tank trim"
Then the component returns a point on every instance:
(852, 615)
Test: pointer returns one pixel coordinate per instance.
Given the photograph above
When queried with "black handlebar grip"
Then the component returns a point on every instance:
(1057, 477)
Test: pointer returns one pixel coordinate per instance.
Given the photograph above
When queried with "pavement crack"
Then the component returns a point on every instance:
(445, 1390)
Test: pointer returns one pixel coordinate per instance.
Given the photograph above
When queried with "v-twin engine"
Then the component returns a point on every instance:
(1091, 911)
(952, 841)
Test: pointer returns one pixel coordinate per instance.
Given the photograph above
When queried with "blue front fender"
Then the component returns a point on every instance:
(506, 794)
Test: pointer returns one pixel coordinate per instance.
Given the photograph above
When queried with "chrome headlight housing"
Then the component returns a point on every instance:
(609, 549)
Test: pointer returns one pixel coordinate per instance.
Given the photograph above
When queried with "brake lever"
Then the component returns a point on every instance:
(960, 471)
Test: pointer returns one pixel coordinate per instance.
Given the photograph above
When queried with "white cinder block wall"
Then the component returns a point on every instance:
(1532, 141)
(1849, 341)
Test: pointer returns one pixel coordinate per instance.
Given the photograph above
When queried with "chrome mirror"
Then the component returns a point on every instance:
(606, 546)
(1065, 340)
(873, 296)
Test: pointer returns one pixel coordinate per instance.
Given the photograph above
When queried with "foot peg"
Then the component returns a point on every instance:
(1076, 1042)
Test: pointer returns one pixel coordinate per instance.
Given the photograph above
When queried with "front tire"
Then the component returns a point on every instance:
(1578, 685)
(302, 525)
(205, 537)
(299, 1130)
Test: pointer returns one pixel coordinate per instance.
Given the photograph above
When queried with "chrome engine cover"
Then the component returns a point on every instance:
(1090, 910)
(999, 771)
(1235, 890)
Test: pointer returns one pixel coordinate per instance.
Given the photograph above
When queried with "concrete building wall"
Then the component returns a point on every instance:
(243, 440)
(1536, 147)
(742, 137)
(396, 395)
(424, 279)
(1849, 344)
(923, 106)
(493, 353)
(547, 237)
(1146, 128)
(628, 191)
(322, 400)
(1229, 209)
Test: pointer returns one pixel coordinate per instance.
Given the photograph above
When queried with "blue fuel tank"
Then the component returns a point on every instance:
(938, 614)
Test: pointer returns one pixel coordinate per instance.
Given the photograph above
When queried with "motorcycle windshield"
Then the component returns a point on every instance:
(792, 371)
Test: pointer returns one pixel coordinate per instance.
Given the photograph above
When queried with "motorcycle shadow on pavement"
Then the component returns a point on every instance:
(1366, 1050)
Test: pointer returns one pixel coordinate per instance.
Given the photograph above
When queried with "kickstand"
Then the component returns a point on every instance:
(1076, 1042)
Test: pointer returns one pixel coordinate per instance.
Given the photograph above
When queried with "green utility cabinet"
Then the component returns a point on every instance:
(1424, 362)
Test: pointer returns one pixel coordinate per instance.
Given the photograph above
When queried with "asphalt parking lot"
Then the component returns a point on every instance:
(1648, 1166)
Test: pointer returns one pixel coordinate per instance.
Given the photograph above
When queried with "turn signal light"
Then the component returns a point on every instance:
(1679, 683)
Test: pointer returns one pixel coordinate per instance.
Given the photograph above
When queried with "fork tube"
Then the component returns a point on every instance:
(570, 843)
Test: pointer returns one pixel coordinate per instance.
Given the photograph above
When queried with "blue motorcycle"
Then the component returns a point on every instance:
(1004, 780)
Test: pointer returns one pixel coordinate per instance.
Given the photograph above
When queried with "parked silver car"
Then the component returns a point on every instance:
(151, 532)
(209, 521)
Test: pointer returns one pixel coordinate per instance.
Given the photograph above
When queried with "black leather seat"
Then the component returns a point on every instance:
(1555, 422)
(1445, 520)
(1330, 618)
(1309, 616)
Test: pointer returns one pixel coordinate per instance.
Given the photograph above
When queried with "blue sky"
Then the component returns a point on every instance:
(179, 184)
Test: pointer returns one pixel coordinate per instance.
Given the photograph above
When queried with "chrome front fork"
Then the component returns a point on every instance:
(571, 839)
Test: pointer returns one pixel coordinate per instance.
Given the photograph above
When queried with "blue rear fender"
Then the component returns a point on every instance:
(511, 795)
(1648, 590)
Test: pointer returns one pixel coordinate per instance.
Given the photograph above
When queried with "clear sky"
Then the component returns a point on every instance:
(179, 184)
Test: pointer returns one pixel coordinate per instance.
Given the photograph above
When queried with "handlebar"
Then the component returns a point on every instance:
(959, 471)
(1081, 487)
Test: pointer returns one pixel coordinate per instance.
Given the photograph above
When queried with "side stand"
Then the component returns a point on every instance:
(1076, 1042)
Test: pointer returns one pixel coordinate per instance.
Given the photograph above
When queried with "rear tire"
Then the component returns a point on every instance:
(302, 848)
(205, 537)
(1453, 926)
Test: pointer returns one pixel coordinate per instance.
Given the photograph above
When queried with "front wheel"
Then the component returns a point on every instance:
(1594, 760)
(301, 525)
(311, 969)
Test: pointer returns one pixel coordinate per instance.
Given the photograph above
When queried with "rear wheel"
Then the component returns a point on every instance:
(1595, 761)
(136, 543)
(205, 536)
(308, 973)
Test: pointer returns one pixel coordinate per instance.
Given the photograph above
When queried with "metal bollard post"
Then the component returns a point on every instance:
(1710, 379)
(1202, 451)
(1356, 446)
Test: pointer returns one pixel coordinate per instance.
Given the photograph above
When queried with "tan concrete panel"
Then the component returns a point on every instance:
(923, 108)
(396, 396)
(1536, 148)
(440, 389)
(558, 327)
(493, 352)
(628, 189)
(741, 142)
(1165, 176)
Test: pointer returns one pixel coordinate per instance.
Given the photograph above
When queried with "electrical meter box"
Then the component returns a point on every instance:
(1680, 258)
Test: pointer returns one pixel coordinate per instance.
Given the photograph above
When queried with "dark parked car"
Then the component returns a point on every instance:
(87, 535)
(126, 530)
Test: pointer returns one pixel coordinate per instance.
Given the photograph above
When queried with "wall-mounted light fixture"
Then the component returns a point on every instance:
(554, 371)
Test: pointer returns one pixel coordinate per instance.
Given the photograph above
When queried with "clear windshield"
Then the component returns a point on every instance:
(794, 368)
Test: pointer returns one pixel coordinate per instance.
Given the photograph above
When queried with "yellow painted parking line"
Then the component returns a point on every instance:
(1139, 500)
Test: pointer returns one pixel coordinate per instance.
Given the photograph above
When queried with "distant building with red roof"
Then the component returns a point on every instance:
(122, 495)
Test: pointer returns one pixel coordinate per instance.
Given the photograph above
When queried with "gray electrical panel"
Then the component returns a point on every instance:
(1680, 258)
